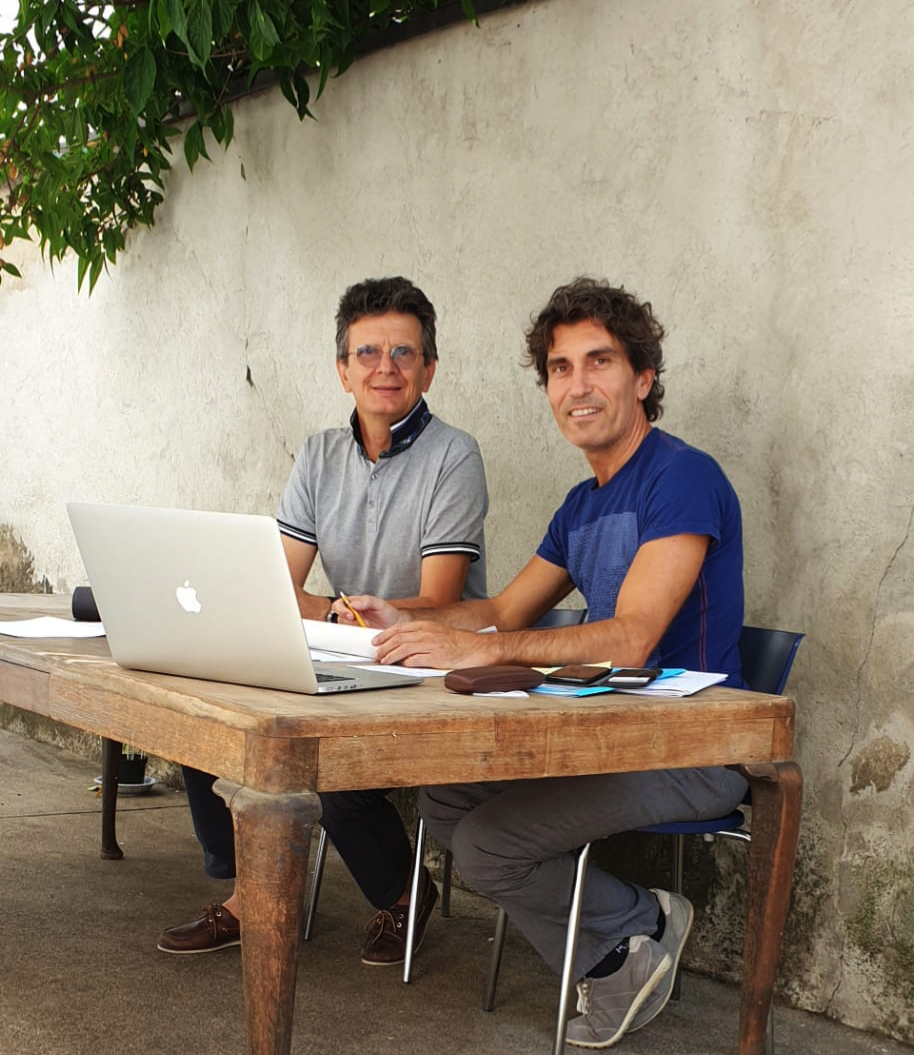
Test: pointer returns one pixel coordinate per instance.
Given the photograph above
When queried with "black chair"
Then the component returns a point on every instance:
(766, 657)
(554, 617)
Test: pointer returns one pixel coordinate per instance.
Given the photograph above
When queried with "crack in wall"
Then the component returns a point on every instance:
(828, 1010)
(272, 416)
(858, 677)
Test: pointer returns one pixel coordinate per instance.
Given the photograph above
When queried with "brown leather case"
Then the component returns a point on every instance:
(496, 678)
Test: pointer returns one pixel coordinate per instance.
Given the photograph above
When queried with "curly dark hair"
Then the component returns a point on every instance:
(377, 296)
(624, 317)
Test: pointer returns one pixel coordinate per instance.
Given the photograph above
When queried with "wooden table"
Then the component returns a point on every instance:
(274, 750)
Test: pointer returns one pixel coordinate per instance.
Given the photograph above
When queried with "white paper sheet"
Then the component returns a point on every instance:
(50, 626)
(325, 656)
(685, 684)
(416, 672)
(336, 637)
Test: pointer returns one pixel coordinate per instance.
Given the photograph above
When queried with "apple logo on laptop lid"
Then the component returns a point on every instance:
(187, 597)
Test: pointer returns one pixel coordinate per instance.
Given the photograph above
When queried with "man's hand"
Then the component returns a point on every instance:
(375, 611)
(426, 644)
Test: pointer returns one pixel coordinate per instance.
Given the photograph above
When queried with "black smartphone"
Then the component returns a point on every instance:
(577, 674)
(632, 677)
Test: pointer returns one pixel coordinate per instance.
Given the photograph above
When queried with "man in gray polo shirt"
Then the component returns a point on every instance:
(395, 505)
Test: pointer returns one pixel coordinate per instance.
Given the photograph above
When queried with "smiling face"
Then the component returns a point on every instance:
(387, 391)
(595, 394)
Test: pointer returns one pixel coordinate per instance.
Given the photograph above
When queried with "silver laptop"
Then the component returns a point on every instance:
(204, 595)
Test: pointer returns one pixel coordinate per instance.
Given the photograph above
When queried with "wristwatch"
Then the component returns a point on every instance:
(331, 616)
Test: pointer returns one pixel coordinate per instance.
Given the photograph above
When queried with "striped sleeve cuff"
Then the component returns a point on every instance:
(464, 549)
(297, 533)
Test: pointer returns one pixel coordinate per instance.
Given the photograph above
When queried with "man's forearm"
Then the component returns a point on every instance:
(435, 644)
(609, 640)
(310, 605)
(465, 615)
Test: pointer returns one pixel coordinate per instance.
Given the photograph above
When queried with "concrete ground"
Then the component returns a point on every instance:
(80, 974)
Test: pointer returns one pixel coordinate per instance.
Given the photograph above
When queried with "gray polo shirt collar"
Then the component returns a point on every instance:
(403, 434)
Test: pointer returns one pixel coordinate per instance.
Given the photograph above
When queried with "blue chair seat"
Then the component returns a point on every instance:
(730, 823)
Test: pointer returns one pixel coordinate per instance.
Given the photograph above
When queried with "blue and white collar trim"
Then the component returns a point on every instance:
(403, 434)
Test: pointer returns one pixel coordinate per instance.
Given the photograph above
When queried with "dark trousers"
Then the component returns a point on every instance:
(364, 826)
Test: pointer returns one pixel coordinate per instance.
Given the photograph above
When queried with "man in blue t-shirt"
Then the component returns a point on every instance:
(653, 541)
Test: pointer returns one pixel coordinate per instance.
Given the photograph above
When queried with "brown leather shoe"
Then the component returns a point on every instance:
(215, 929)
(386, 940)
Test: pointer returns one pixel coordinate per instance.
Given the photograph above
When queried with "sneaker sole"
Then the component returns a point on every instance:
(195, 952)
(661, 969)
(679, 950)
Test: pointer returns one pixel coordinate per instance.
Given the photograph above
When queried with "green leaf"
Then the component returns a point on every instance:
(303, 88)
(10, 269)
(48, 16)
(223, 125)
(193, 140)
(263, 37)
(229, 126)
(469, 11)
(194, 145)
(139, 79)
(222, 16)
(285, 86)
(200, 31)
(164, 19)
(325, 76)
(97, 264)
(81, 268)
(177, 15)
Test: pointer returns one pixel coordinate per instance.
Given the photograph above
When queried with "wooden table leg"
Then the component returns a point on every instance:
(111, 760)
(272, 841)
(776, 799)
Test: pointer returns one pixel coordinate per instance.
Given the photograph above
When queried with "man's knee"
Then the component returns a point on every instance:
(481, 858)
(346, 807)
(443, 808)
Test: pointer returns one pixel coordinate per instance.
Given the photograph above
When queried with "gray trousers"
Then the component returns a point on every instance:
(516, 842)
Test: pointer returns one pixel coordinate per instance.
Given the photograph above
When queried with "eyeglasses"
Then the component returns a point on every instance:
(370, 355)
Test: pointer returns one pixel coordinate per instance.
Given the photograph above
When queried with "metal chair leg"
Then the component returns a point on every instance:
(678, 857)
(446, 884)
(498, 947)
(320, 858)
(769, 1032)
(418, 859)
(571, 945)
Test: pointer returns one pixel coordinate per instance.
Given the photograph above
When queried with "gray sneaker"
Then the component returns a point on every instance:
(608, 1005)
(679, 916)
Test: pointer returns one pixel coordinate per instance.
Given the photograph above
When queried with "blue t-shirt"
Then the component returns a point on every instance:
(666, 488)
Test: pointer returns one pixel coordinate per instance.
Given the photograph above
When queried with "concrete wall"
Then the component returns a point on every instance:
(748, 167)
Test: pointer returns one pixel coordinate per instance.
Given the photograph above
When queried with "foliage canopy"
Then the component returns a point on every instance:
(91, 90)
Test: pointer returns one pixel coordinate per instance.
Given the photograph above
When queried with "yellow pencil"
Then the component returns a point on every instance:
(358, 616)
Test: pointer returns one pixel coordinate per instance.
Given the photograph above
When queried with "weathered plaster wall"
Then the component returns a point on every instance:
(748, 167)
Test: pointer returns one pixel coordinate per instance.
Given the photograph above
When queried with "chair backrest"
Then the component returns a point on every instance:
(766, 657)
(561, 617)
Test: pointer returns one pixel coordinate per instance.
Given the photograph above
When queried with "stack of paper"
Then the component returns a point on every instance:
(683, 683)
(670, 683)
